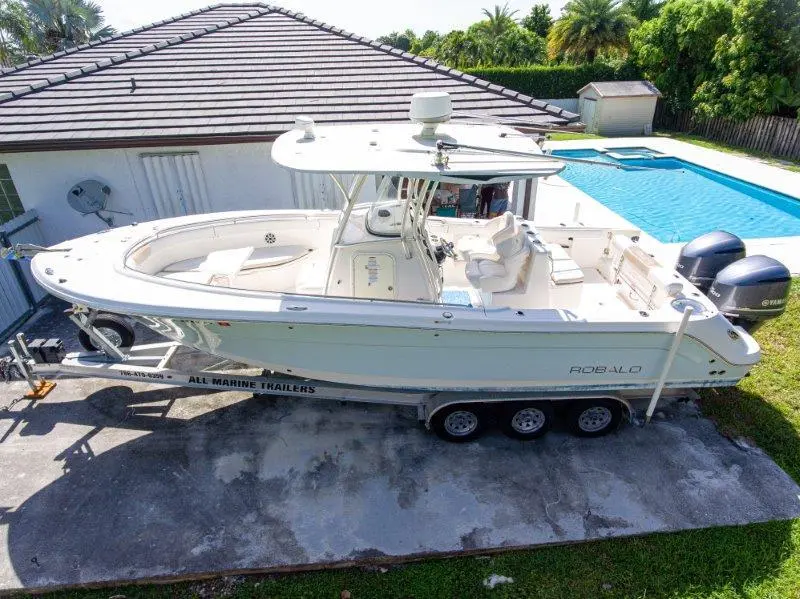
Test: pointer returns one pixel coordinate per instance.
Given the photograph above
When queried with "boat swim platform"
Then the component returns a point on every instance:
(107, 482)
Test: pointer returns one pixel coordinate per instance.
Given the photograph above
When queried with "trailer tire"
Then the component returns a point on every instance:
(594, 417)
(116, 328)
(459, 423)
(525, 420)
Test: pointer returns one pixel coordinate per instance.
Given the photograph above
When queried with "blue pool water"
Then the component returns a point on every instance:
(679, 200)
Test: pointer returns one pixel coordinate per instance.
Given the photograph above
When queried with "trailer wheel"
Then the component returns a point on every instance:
(459, 422)
(113, 327)
(594, 417)
(526, 420)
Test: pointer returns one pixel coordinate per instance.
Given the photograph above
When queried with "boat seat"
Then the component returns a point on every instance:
(565, 270)
(492, 275)
(189, 265)
(189, 276)
(217, 268)
(275, 256)
(478, 246)
(225, 264)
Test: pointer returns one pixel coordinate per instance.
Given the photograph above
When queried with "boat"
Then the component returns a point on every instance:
(383, 293)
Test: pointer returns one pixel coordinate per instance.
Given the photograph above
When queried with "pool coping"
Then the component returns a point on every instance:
(554, 193)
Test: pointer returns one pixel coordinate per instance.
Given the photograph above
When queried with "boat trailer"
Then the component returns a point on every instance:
(453, 415)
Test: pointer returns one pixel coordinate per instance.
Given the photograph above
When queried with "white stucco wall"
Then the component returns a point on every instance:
(237, 176)
(624, 116)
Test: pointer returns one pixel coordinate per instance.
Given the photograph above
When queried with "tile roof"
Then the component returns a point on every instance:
(629, 89)
(229, 72)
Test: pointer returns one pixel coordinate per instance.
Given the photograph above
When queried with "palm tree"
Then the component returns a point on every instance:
(497, 21)
(644, 10)
(588, 27)
(15, 32)
(59, 24)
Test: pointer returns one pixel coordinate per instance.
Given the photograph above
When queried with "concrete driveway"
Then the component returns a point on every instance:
(106, 482)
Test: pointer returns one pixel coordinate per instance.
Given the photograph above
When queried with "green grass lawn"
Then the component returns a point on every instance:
(568, 136)
(788, 164)
(760, 561)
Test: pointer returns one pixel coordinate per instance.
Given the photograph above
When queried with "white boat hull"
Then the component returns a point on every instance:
(423, 358)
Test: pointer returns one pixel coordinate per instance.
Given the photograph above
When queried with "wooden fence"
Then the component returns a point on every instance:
(775, 135)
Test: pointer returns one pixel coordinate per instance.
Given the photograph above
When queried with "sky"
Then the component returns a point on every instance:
(364, 17)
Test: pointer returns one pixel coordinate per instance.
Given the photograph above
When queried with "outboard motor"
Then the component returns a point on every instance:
(752, 290)
(702, 258)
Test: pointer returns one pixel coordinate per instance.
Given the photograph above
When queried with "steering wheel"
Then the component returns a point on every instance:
(448, 248)
(443, 250)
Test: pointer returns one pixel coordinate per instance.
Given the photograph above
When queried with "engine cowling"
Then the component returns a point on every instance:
(751, 290)
(702, 258)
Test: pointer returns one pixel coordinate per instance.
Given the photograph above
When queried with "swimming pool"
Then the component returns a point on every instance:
(680, 200)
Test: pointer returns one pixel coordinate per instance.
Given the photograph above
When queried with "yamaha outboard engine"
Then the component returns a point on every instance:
(702, 258)
(751, 290)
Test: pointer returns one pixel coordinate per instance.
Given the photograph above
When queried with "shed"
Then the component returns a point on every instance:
(618, 107)
(179, 116)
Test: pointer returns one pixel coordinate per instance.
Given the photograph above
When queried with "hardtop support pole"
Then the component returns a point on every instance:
(676, 341)
(350, 195)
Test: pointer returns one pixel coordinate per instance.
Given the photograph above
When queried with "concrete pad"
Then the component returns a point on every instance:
(107, 482)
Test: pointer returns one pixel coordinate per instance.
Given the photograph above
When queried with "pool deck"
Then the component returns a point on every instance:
(556, 199)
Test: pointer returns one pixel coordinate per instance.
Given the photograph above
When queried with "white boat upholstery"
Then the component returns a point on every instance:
(275, 256)
(495, 275)
(642, 282)
(217, 268)
(224, 264)
(188, 276)
(565, 270)
(478, 246)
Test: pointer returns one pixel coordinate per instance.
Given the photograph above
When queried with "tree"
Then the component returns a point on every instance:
(60, 24)
(15, 32)
(539, 21)
(675, 50)
(516, 47)
(588, 27)
(402, 41)
(498, 21)
(757, 64)
(643, 10)
(461, 49)
(495, 41)
(428, 40)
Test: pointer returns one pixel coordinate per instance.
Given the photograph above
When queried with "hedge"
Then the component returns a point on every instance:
(562, 81)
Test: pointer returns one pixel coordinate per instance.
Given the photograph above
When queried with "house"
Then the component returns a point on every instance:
(178, 117)
(618, 107)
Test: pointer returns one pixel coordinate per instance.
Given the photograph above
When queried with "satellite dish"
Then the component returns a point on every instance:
(90, 197)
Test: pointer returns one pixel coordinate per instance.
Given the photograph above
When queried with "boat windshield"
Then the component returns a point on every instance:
(400, 200)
